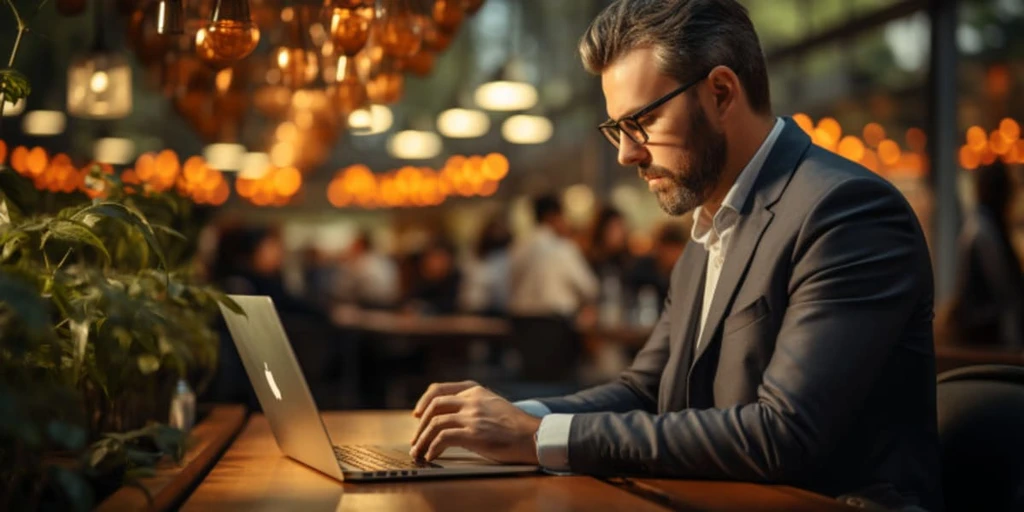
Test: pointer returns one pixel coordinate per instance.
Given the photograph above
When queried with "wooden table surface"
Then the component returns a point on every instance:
(712, 496)
(254, 476)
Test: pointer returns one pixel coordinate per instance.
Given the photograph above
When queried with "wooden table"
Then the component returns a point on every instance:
(947, 357)
(730, 496)
(420, 326)
(171, 484)
(254, 476)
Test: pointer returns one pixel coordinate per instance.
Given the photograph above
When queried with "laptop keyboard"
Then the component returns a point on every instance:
(370, 458)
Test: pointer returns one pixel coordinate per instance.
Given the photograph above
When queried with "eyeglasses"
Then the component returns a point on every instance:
(630, 125)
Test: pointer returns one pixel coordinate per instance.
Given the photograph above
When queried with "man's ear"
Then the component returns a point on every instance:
(725, 90)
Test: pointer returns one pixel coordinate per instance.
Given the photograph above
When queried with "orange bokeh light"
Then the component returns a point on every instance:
(167, 163)
(496, 166)
(19, 159)
(889, 152)
(851, 148)
(830, 126)
(145, 166)
(1010, 129)
(824, 139)
(36, 161)
(998, 142)
(874, 134)
(3, 151)
(287, 181)
(988, 156)
(804, 122)
(916, 140)
(220, 194)
(976, 138)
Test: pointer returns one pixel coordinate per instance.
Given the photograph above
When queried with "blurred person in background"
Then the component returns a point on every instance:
(988, 303)
(608, 253)
(654, 270)
(437, 280)
(548, 273)
(319, 273)
(485, 289)
(368, 278)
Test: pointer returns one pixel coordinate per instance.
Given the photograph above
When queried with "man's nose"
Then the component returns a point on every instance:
(632, 154)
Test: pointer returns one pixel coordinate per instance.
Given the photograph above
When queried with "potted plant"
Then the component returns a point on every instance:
(100, 315)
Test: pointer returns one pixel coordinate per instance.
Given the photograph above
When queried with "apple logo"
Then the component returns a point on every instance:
(270, 380)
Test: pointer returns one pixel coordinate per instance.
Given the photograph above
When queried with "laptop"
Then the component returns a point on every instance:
(295, 420)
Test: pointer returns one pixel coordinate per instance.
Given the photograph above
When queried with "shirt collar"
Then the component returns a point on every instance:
(704, 224)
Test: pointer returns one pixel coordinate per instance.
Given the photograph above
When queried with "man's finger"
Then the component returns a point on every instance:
(439, 405)
(435, 427)
(439, 389)
(448, 438)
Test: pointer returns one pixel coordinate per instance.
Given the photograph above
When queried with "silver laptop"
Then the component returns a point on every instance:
(295, 419)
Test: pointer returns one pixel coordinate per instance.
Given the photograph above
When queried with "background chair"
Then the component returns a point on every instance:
(981, 430)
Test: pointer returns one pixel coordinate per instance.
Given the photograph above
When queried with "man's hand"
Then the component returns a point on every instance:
(467, 415)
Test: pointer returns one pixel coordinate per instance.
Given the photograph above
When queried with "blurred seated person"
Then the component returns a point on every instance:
(654, 270)
(319, 273)
(988, 302)
(548, 274)
(368, 278)
(608, 254)
(258, 256)
(485, 289)
(436, 283)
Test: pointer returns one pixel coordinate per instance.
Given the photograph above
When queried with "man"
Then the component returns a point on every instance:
(548, 274)
(369, 278)
(796, 342)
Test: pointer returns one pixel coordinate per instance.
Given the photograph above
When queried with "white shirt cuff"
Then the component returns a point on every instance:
(553, 442)
(533, 408)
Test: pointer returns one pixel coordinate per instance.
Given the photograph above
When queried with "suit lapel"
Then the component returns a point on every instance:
(744, 240)
(686, 311)
(755, 216)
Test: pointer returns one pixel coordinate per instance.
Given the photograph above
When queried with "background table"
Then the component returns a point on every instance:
(253, 476)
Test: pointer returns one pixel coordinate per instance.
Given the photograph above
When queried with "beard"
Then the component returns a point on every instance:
(689, 187)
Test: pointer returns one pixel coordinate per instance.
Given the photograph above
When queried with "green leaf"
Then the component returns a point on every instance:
(99, 452)
(228, 302)
(128, 216)
(13, 240)
(26, 303)
(77, 490)
(71, 437)
(19, 192)
(148, 364)
(123, 337)
(172, 232)
(74, 232)
(14, 85)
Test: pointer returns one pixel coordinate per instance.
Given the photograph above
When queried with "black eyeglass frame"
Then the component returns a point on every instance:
(612, 129)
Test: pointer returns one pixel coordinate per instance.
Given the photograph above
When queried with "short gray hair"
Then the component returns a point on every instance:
(689, 37)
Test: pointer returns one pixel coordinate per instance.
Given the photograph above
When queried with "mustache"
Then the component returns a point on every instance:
(653, 172)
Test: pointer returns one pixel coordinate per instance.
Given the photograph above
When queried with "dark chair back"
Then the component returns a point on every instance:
(549, 347)
(981, 429)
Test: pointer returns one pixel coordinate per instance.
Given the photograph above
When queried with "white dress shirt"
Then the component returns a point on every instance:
(549, 276)
(714, 233)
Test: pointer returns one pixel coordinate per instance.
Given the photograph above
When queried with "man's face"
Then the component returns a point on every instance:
(683, 158)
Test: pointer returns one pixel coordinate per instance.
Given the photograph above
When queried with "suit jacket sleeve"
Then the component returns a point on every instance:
(636, 388)
(856, 278)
